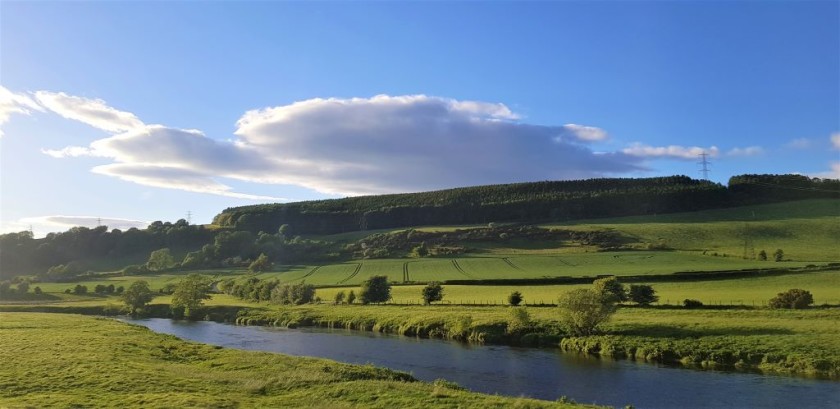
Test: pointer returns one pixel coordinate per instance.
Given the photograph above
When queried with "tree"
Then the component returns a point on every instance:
(351, 297)
(100, 288)
(643, 294)
(339, 297)
(795, 299)
(80, 289)
(38, 291)
(190, 293)
(779, 255)
(110, 289)
(582, 310)
(137, 296)
(515, 298)
(612, 289)
(160, 260)
(23, 287)
(375, 289)
(260, 264)
(297, 294)
(5, 287)
(762, 255)
(120, 290)
(432, 292)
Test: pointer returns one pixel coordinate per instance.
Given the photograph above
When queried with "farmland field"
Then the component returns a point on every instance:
(825, 286)
(518, 267)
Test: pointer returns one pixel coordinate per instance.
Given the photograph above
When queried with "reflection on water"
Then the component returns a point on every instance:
(539, 373)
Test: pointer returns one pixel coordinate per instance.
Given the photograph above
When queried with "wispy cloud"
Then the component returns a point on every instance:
(169, 177)
(94, 112)
(15, 103)
(835, 140)
(799, 143)
(670, 152)
(748, 151)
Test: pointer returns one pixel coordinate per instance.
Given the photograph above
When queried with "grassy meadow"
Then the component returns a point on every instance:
(76, 361)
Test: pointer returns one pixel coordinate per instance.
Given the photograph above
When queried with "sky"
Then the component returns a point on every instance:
(123, 113)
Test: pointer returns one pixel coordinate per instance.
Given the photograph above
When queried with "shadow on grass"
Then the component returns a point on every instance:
(667, 331)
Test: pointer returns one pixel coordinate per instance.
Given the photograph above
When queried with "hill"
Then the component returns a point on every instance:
(555, 201)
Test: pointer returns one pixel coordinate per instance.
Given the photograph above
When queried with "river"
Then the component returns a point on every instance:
(539, 373)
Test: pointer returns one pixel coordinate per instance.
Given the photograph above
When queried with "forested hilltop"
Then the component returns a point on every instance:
(525, 202)
(243, 234)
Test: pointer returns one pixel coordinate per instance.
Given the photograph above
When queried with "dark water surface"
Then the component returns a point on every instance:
(539, 373)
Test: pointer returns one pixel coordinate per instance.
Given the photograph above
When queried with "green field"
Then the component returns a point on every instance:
(807, 230)
(518, 267)
(825, 286)
(75, 361)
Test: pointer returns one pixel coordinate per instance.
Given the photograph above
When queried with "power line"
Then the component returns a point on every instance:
(704, 161)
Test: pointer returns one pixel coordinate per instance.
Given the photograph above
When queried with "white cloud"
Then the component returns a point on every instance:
(671, 152)
(835, 140)
(584, 133)
(70, 152)
(94, 112)
(748, 151)
(410, 143)
(15, 103)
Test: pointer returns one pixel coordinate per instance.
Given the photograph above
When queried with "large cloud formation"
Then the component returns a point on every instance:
(349, 147)
(354, 146)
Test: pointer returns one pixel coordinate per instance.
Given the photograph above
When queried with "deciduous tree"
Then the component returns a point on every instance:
(376, 289)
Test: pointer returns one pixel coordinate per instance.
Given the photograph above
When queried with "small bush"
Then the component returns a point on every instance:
(339, 298)
(518, 320)
(688, 303)
(762, 255)
(351, 297)
(795, 299)
(779, 255)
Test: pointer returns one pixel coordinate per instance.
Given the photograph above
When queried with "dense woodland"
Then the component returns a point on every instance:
(525, 202)
(273, 229)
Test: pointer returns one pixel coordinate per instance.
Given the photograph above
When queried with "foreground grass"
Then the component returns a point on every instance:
(77, 361)
(791, 342)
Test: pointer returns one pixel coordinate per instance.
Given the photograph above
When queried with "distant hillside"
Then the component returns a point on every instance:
(525, 202)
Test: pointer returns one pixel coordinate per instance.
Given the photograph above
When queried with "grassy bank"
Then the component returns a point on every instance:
(788, 342)
(76, 361)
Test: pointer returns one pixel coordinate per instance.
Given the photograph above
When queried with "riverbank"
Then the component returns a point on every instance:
(797, 343)
(802, 343)
(77, 361)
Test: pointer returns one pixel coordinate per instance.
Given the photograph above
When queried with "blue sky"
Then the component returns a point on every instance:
(127, 112)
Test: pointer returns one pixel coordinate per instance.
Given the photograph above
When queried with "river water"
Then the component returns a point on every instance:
(539, 373)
